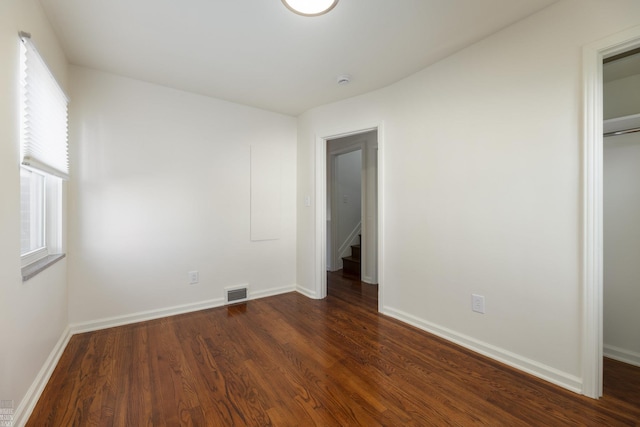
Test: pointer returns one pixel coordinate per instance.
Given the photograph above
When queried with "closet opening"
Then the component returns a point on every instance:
(621, 225)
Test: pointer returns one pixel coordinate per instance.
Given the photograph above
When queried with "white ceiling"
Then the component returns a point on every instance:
(258, 53)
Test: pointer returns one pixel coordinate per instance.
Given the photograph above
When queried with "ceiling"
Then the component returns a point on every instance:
(258, 53)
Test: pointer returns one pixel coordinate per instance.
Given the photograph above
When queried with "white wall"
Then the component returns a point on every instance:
(621, 97)
(162, 187)
(622, 247)
(33, 314)
(481, 188)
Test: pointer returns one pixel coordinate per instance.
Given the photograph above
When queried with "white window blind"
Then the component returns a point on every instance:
(44, 129)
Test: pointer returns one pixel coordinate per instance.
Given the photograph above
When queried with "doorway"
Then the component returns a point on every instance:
(352, 206)
(321, 208)
(593, 223)
(621, 225)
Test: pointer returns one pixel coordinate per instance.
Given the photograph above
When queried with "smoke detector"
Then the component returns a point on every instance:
(344, 79)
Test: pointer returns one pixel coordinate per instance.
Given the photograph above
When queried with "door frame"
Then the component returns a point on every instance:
(320, 276)
(592, 233)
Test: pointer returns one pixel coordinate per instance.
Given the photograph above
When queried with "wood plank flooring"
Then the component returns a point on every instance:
(292, 361)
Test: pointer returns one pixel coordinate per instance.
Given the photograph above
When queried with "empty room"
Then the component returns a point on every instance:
(331, 212)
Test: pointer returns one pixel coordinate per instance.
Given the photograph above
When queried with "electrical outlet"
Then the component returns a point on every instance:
(194, 277)
(477, 303)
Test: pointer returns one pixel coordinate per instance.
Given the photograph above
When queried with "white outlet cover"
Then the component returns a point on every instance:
(194, 277)
(477, 303)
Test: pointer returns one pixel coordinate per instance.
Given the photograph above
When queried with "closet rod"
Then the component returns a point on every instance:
(621, 132)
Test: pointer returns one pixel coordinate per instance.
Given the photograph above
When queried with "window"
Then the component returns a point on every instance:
(32, 211)
(44, 160)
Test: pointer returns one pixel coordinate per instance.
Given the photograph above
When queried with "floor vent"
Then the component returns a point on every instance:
(237, 295)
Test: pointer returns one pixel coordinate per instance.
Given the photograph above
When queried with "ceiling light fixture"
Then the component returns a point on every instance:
(310, 7)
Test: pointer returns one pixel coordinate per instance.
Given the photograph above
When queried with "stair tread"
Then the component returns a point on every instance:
(350, 258)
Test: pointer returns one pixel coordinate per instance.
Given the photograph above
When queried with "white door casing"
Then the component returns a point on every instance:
(320, 262)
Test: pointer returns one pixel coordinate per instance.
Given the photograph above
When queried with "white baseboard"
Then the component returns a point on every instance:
(306, 292)
(28, 403)
(519, 362)
(368, 279)
(126, 319)
(271, 292)
(110, 322)
(621, 355)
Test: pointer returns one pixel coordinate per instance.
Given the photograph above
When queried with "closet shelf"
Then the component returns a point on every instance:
(620, 124)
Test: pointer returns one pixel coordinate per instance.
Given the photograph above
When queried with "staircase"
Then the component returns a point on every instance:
(351, 264)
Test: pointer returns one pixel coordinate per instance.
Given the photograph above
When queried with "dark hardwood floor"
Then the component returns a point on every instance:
(289, 360)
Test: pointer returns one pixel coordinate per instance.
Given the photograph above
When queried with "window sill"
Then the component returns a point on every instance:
(28, 271)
